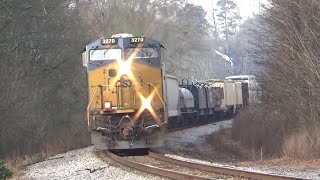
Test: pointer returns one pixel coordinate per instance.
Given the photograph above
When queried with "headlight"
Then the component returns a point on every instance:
(124, 67)
(146, 103)
(108, 105)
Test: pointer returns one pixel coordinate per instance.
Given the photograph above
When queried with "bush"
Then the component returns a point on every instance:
(224, 144)
(4, 171)
(268, 132)
(259, 130)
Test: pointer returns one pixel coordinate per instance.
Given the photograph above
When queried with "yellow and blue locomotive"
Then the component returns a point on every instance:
(126, 107)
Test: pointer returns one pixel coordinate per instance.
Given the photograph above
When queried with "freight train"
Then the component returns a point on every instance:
(133, 102)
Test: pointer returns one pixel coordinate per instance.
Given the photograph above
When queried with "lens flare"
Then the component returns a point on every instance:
(124, 68)
(146, 103)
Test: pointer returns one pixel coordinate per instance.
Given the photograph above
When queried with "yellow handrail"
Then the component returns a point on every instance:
(163, 103)
(89, 105)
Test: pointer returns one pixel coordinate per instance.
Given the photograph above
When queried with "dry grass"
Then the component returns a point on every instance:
(269, 134)
(260, 130)
(19, 163)
(17, 166)
(223, 143)
(303, 145)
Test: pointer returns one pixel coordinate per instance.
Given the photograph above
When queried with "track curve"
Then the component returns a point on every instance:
(152, 169)
(222, 170)
(228, 172)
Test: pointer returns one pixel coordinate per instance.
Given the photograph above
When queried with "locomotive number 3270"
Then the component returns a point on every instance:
(107, 41)
(136, 40)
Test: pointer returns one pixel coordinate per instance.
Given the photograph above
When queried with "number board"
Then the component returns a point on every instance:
(134, 40)
(109, 41)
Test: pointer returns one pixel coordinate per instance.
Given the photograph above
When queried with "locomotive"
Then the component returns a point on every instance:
(133, 102)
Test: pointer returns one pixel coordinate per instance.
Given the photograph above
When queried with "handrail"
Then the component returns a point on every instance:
(182, 81)
(163, 103)
(89, 105)
(110, 85)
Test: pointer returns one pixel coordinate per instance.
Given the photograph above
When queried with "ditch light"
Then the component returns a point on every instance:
(107, 105)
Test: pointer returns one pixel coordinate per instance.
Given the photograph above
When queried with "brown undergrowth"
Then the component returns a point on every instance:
(18, 163)
(303, 145)
(257, 135)
(269, 134)
(223, 144)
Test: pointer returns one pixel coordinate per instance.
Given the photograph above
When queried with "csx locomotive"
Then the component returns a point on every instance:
(133, 102)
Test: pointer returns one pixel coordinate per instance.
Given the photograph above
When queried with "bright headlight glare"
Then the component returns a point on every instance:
(108, 105)
(146, 103)
(125, 68)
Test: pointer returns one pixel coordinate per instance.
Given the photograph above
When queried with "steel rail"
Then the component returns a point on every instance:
(153, 169)
(222, 170)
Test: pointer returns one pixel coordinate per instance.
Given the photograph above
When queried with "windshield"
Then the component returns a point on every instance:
(238, 78)
(105, 54)
(143, 53)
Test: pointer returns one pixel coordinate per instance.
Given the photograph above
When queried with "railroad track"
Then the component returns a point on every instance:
(195, 170)
(198, 125)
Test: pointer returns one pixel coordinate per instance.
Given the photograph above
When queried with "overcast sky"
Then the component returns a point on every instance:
(247, 7)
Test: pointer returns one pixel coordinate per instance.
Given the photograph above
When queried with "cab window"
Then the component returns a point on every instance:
(142, 53)
(105, 54)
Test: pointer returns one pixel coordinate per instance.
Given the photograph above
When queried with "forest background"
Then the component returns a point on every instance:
(43, 83)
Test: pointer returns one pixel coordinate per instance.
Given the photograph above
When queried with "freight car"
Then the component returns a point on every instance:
(202, 102)
(133, 102)
(253, 87)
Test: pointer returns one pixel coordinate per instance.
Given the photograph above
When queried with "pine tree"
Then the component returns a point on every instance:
(228, 19)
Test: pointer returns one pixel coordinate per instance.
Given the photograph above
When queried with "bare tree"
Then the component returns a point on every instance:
(287, 49)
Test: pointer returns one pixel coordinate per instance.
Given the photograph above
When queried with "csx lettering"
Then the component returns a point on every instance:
(124, 83)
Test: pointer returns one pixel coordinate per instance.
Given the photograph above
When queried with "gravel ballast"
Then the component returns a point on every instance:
(188, 144)
(82, 164)
(85, 164)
